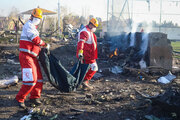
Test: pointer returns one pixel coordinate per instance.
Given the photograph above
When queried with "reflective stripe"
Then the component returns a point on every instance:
(81, 40)
(28, 51)
(89, 42)
(41, 42)
(25, 38)
(32, 84)
(28, 38)
(39, 80)
(92, 37)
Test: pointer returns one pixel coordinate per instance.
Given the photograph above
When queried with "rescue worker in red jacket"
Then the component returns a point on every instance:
(87, 50)
(29, 47)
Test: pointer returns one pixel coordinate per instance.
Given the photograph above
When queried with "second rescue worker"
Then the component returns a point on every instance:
(87, 49)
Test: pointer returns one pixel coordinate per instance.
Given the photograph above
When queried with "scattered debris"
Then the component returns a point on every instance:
(12, 62)
(100, 70)
(11, 40)
(89, 95)
(54, 117)
(26, 117)
(151, 117)
(153, 81)
(116, 70)
(36, 113)
(169, 101)
(97, 76)
(72, 117)
(8, 81)
(132, 97)
(114, 92)
(142, 64)
(141, 73)
(167, 79)
(53, 39)
(76, 110)
(174, 115)
(147, 95)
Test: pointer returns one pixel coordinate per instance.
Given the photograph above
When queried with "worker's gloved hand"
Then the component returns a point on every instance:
(80, 55)
(47, 46)
(80, 58)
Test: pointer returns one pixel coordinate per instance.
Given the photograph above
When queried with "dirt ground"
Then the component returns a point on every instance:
(114, 96)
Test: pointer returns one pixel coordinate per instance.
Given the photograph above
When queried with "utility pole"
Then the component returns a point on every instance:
(132, 14)
(112, 9)
(160, 17)
(107, 14)
(59, 17)
(148, 1)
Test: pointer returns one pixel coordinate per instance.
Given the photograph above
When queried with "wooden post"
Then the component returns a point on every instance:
(42, 27)
(16, 29)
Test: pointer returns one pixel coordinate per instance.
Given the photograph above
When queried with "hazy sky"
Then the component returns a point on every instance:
(170, 10)
(94, 7)
(98, 8)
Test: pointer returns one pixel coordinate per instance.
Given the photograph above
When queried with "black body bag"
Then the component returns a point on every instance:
(58, 76)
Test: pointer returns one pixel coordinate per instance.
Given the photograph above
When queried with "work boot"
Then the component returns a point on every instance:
(86, 85)
(21, 105)
(36, 102)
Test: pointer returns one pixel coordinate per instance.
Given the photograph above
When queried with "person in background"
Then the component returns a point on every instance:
(29, 47)
(87, 50)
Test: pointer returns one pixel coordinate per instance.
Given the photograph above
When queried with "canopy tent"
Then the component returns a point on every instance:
(45, 12)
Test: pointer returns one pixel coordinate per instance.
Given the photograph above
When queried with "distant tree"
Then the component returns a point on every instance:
(14, 13)
(130, 21)
(99, 19)
(82, 20)
(65, 21)
(143, 24)
(12, 17)
(90, 17)
(49, 23)
(165, 24)
(64, 11)
(75, 21)
(154, 24)
(176, 25)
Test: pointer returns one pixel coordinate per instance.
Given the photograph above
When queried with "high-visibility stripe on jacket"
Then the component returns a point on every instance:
(30, 41)
(87, 42)
(32, 78)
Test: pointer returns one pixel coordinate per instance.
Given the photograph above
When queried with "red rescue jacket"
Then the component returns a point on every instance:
(30, 41)
(87, 42)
